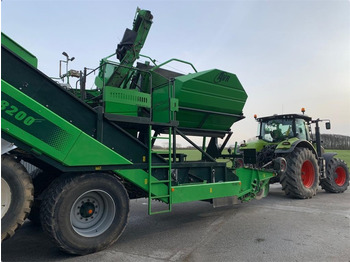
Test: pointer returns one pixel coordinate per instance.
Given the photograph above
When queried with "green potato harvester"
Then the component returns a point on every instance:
(93, 149)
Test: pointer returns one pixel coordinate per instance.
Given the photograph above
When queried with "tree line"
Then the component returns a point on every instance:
(332, 141)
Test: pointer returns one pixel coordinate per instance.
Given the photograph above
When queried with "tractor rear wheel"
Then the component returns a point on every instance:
(85, 213)
(302, 175)
(16, 196)
(337, 176)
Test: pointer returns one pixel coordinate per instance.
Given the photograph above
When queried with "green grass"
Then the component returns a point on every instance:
(342, 154)
(193, 154)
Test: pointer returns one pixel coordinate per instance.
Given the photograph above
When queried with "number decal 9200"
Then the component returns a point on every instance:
(13, 111)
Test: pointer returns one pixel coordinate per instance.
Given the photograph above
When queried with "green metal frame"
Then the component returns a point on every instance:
(175, 60)
(195, 192)
(19, 50)
(253, 181)
(124, 101)
(73, 147)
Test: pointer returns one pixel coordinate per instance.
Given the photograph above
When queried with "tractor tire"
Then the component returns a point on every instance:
(337, 176)
(301, 178)
(41, 181)
(85, 213)
(16, 196)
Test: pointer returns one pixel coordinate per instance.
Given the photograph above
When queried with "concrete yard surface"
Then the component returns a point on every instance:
(275, 228)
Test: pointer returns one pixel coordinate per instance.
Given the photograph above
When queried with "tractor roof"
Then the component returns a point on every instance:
(287, 116)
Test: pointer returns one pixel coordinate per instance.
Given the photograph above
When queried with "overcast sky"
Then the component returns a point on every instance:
(287, 54)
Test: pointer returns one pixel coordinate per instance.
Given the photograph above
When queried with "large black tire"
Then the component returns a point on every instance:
(16, 196)
(41, 181)
(301, 178)
(337, 176)
(85, 213)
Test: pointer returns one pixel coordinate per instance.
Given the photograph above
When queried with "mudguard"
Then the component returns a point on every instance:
(328, 156)
(294, 142)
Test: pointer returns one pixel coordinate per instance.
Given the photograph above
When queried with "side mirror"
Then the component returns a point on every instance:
(328, 125)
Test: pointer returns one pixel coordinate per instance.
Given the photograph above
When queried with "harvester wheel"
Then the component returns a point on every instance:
(337, 176)
(302, 175)
(16, 196)
(85, 213)
(41, 180)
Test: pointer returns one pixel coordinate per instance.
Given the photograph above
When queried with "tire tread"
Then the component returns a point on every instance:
(28, 188)
(290, 180)
(328, 183)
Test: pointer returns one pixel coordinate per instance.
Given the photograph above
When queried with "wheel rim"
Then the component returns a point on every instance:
(340, 177)
(92, 213)
(307, 174)
(6, 196)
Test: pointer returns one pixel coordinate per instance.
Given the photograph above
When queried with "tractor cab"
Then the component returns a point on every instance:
(277, 128)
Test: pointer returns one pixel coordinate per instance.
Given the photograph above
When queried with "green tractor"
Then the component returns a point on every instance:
(308, 166)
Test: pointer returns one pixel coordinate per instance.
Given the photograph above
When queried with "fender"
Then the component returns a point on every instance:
(328, 156)
(297, 143)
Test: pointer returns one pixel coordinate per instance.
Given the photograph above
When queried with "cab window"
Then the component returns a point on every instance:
(276, 130)
(300, 127)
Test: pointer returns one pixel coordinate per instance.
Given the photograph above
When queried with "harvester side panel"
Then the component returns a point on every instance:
(45, 132)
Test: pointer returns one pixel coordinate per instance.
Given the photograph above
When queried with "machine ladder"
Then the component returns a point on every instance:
(158, 185)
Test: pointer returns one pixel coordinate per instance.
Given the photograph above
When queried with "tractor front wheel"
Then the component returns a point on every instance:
(85, 213)
(337, 176)
(302, 175)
